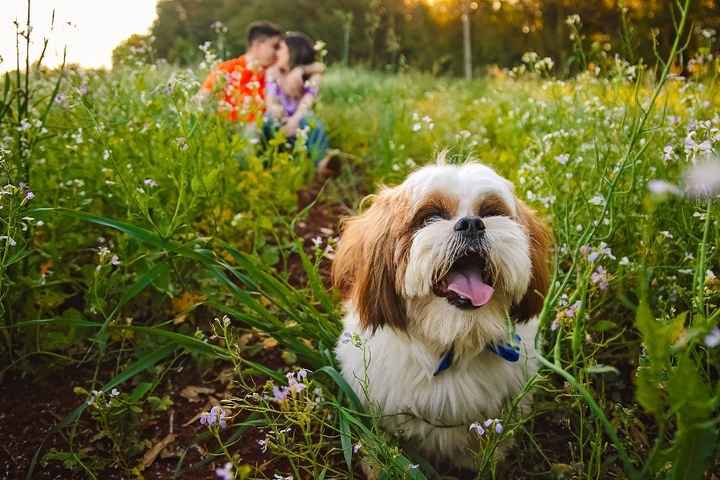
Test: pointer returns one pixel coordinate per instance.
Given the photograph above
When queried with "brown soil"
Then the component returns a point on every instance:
(31, 407)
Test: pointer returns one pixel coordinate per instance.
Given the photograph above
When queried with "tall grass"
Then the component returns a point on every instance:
(151, 217)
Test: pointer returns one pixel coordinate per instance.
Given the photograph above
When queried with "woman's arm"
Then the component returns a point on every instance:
(314, 68)
(304, 106)
(272, 102)
(293, 82)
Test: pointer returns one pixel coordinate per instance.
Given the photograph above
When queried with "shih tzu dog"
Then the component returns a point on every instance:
(443, 277)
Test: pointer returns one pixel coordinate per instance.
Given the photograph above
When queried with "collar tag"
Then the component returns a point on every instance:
(446, 361)
(508, 351)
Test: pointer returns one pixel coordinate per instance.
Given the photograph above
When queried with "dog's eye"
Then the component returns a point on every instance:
(491, 211)
(429, 216)
(432, 218)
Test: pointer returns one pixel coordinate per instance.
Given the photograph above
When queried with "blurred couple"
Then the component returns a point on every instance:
(274, 85)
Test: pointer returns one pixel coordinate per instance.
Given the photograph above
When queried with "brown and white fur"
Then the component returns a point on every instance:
(392, 266)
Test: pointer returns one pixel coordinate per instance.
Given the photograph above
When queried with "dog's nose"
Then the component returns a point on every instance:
(470, 225)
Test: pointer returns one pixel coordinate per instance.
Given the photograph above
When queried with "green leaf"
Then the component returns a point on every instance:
(140, 365)
(133, 231)
(604, 326)
(314, 280)
(187, 341)
(696, 436)
(140, 391)
(140, 284)
(262, 369)
(346, 440)
(160, 404)
(344, 386)
(647, 392)
(270, 255)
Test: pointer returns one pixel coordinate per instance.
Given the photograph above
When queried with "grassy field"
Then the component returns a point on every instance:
(156, 264)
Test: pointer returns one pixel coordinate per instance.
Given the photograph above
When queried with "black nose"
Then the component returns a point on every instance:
(470, 225)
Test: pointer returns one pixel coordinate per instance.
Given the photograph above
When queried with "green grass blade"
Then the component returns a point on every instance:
(139, 285)
(140, 365)
(345, 439)
(314, 280)
(344, 386)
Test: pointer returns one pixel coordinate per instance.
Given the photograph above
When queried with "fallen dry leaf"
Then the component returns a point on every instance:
(153, 453)
(192, 392)
(226, 375)
(187, 301)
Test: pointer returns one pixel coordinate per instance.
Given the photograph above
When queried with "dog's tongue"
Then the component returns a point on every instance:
(469, 284)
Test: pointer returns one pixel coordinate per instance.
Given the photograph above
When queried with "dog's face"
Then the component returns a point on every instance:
(445, 256)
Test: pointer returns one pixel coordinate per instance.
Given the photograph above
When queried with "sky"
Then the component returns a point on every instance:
(89, 28)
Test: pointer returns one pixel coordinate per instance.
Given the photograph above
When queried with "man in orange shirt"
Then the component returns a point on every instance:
(240, 83)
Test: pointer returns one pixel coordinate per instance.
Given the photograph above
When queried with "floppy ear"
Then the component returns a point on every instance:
(369, 262)
(541, 242)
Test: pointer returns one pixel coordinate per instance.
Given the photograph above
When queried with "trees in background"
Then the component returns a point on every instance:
(428, 34)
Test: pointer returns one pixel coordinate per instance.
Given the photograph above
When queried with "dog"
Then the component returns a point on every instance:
(442, 278)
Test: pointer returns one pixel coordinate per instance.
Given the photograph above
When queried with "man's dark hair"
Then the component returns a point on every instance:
(259, 31)
(301, 49)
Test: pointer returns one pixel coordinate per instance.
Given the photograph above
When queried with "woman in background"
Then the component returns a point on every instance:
(291, 111)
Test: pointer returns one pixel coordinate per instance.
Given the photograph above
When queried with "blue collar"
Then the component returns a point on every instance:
(508, 351)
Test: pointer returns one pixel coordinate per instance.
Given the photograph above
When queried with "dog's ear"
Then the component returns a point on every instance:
(369, 262)
(541, 242)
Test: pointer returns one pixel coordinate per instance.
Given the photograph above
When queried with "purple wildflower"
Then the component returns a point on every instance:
(572, 309)
(216, 416)
(477, 428)
(226, 472)
(712, 339)
(263, 445)
(480, 429)
(599, 277)
(294, 385)
(661, 187)
(280, 393)
(702, 180)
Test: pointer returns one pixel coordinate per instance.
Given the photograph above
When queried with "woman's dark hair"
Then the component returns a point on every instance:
(259, 31)
(301, 49)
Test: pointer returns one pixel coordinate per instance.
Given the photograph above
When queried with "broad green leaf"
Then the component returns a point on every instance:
(346, 440)
(344, 386)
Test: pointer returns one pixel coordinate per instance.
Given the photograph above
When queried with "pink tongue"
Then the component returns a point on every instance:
(469, 284)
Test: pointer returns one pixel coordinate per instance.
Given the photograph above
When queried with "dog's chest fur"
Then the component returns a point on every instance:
(396, 374)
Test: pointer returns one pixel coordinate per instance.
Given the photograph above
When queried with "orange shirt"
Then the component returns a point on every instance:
(242, 97)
